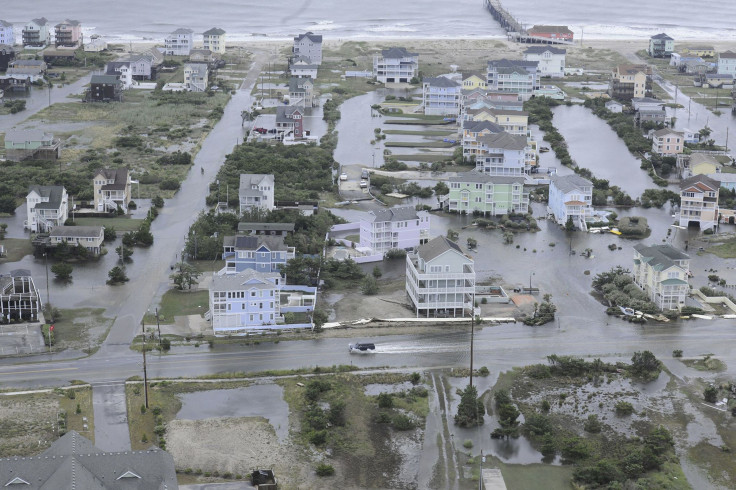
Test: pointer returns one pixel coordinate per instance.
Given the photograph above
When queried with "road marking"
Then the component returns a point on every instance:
(39, 371)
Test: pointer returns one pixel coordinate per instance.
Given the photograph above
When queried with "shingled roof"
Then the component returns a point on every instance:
(660, 257)
(567, 183)
(436, 247)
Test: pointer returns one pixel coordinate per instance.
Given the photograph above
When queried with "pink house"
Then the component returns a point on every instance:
(667, 142)
(396, 228)
(68, 33)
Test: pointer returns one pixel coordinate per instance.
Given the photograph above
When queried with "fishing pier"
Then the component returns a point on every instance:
(515, 30)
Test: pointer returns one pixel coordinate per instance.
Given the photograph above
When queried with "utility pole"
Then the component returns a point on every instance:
(472, 338)
(158, 325)
(480, 480)
(145, 373)
(48, 289)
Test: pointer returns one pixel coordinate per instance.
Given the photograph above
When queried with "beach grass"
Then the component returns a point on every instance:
(418, 144)
(428, 132)
(121, 224)
(16, 249)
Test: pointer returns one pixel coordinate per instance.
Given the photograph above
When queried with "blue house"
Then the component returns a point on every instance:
(259, 253)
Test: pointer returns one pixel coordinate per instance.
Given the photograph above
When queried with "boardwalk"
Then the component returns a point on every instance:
(514, 29)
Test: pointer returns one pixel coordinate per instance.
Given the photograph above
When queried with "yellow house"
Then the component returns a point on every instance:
(631, 81)
(514, 122)
(702, 51)
(703, 164)
(474, 81)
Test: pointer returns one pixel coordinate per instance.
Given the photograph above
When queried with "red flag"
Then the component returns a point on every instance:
(51, 328)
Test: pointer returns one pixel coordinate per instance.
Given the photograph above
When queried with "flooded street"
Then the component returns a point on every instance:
(355, 132)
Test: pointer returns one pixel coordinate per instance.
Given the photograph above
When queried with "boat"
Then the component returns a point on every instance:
(543, 149)
(614, 231)
(627, 311)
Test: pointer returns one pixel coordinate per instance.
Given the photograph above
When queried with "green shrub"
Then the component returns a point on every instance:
(624, 408)
(592, 425)
(402, 422)
(468, 444)
(385, 400)
(324, 469)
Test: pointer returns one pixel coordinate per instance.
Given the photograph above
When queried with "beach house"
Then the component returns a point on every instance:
(726, 63)
(34, 144)
(301, 92)
(256, 192)
(513, 76)
(145, 65)
(441, 96)
(263, 253)
(196, 76)
(488, 194)
(667, 142)
(104, 88)
(290, 120)
(36, 33)
(95, 44)
(395, 65)
(89, 237)
(699, 51)
(661, 46)
(472, 130)
(301, 67)
(122, 71)
(308, 46)
(551, 60)
(252, 300)
(630, 81)
(111, 189)
(395, 228)
(615, 106)
(47, 206)
(474, 81)
(502, 154)
(7, 55)
(179, 42)
(7, 36)
(68, 33)
(570, 198)
(440, 279)
(661, 271)
(699, 202)
(33, 70)
(551, 32)
(214, 40)
(19, 299)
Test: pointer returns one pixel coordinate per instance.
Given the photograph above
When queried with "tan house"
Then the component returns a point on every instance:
(631, 82)
(214, 40)
(666, 142)
(112, 189)
(661, 271)
(89, 237)
(699, 202)
(704, 164)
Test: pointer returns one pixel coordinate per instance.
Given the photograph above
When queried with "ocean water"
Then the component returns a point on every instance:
(135, 20)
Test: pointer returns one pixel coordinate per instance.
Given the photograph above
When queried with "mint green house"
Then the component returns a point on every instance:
(488, 194)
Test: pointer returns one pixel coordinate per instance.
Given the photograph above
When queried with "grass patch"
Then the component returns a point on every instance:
(436, 122)
(413, 144)
(28, 423)
(75, 421)
(726, 250)
(16, 249)
(721, 465)
(121, 224)
(179, 303)
(82, 329)
(353, 238)
(428, 158)
(522, 477)
(707, 363)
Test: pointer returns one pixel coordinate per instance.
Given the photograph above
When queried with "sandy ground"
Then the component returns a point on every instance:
(26, 423)
(238, 446)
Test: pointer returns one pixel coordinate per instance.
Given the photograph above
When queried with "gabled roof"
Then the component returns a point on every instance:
(551, 29)
(5, 24)
(396, 52)
(477, 177)
(68, 22)
(23, 135)
(665, 131)
(700, 182)
(54, 193)
(660, 257)
(76, 231)
(249, 180)
(119, 176)
(662, 36)
(104, 79)
(215, 31)
(404, 213)
(727, 54)
(436, 247)
(631, 69)
(440, 82)
(478, 126)
(504, 140)
(247, 279)
(506, 63)
(285, 113)
(266, 226)
(40, 21)
(542, 49)
(567, 183)
(315, 38)
(113, 67)
(248, 242)
(183, 30)
(36, 63)
(298, 84)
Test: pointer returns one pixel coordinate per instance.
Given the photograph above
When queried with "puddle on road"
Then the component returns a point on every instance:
(265, 401)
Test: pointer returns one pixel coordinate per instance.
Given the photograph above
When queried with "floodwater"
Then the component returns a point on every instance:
(605, 155)
(266, 400)
(355, 131)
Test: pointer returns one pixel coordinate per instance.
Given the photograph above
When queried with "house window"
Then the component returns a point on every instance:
(253, 294)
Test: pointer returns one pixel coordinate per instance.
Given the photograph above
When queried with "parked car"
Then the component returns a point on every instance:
(363, 184)
(365, 174)
(343, 176)
(260, 130)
